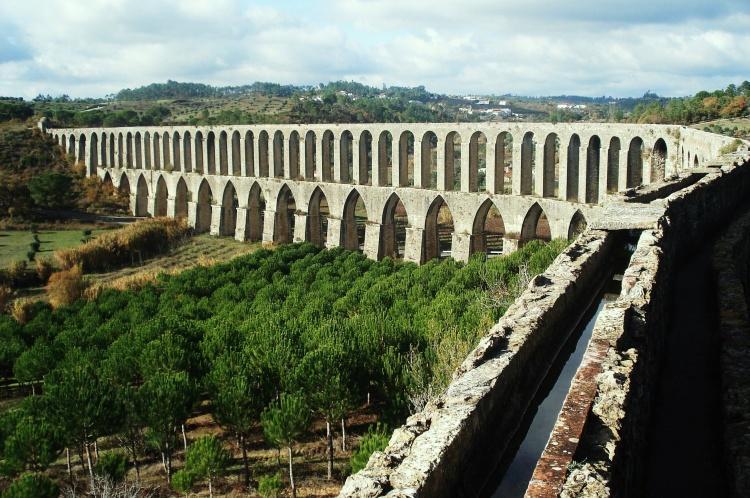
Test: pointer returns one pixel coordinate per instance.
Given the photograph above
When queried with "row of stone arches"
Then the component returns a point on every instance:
(569, 170)
(487, 234)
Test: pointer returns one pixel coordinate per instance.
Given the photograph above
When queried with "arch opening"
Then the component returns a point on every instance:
(147, 150)
(429, 166)
(176, 152)
(256, 207)
(236, 157)
(160, 201)
(635, 163)
(181, 199)
(278, 154)
(263, 154)
(187, 153)
(393, 229)
(488, 231)
(574, 164)
(141, 197)
(93, 154)
(504, 163)
(478, 162)
(365, 158)
(385, 159)
(528, 163)
(286, 207)
(310, 155)
(593, 160)
(535, 225)
(318, 212)
(223, 154)
(229, 204)
(438, 236)
(203, 208)
(659, 161)
(167, 163)
(551, 166)
(129, 150)
(452, 169)
(577, 225)
(327, 151)
(346, 155)
(294, 162)
(249, 154)
(157, 151)
(211, 152)
(406, 159)
(199, 152)
(613, 165)
(354, 222)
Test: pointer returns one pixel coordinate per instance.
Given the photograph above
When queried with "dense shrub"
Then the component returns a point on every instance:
(66, 286)
(112, 466)
(376, 439)
(140, 240)
(32, 486)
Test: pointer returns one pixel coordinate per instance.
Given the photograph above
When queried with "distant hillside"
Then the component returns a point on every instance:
(176, 90)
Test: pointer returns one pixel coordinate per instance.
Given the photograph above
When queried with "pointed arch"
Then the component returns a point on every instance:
(160, 202)
(124, 186)
(535, 225)
(551, 166)
(141, 197)
(203, 208)
(393, 229)
(488, 230)
(256, 208)
(613, 165)
(438, 232)
(181, 199)
(286, 206)
(577, 225)
(659, 161)
(318, 212)
(229, 204)
(353, 222)
(527, 163)
(635, 163)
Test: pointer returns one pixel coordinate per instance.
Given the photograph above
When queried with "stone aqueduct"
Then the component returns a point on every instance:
(381, 187)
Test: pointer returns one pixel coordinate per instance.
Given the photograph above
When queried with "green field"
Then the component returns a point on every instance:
(15, 244)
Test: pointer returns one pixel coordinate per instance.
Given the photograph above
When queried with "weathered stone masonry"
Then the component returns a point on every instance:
(240, 180)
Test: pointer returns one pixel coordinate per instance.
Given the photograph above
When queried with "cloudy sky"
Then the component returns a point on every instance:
(528, 47)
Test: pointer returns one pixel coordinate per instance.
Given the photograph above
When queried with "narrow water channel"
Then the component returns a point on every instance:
(514, 472)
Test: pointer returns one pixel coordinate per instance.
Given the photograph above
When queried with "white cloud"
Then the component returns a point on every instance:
(525, 47)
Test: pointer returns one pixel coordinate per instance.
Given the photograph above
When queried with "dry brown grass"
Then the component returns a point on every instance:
(43, 269)
(122, 247)
(66, 286)
(21, 309)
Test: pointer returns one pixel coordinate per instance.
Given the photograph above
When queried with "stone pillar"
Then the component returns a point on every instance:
(440, 183)
(171, 207)
(516, 174)
(243, 158)
(333, 239)
(461, 246)
(269, 221)
(300, 227)
(255, 168)
(217, 153)
(414, 248)
(239, 231)
(562, 185)
(622, 180)
(355, 179)
(193, 159)
(603, 170)
(205, 153)
(418, 180)
(375, 180)
(583, 155)
(539, 169)
(510, 245)
(230, 155)
(491, 180)
(192, 213)
(372, 240)
(336, 159)
(648, 155)
(216, 212)
(319, 159)
(133, 201)
(466, 175)
(397, 167)
(286, 163)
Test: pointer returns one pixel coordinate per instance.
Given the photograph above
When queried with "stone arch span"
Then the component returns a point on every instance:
(256, 207)
(141, 197)
(286, 207)
(203, 208)
(353, 222)
(395, 220)
(229, 205)
(160, 197)
(438, 231)
(488, 230)
(535, 225)
(318, 212)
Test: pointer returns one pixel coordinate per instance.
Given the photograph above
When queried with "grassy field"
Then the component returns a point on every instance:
(15, 244)
(727, 126)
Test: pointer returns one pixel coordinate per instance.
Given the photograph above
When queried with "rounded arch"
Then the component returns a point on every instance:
(138, 150)
(229, 204)
(635, 163)
(256, 207)
(223, 154)
(181, 198)
(286, 207)
(176, 152)
(504, 163)
(488, 230)
(593, 160)
(294, 162)
(346, 155)
(167, 163)
(310, 154)
(128, 150)
(573, 168)
(249, 154)
(393, 229)
(365, 158)
(81, 152)
(429, 166)
(278, 154)
(406, 159)
(551, 166)
(120, 150)
(147, 150)
(157, 151)
(211, 152)
(577, 225)
(438, 232)
(160, 201)
(187, 152)
(477, 162)
(111, 162)
(141, 197)
(385, 159)
(535, 225)
(93, 154)
(353, 222)
(659, 161)
(263, 154)
(453, 159)
(203, 208)
(236, 154)
(318, 212)
(527, 163)
(327, 151)
(199, 166)
(613, 165)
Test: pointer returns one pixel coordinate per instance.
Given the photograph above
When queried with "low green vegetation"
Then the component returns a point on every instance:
(275, 339)
(15, 244)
